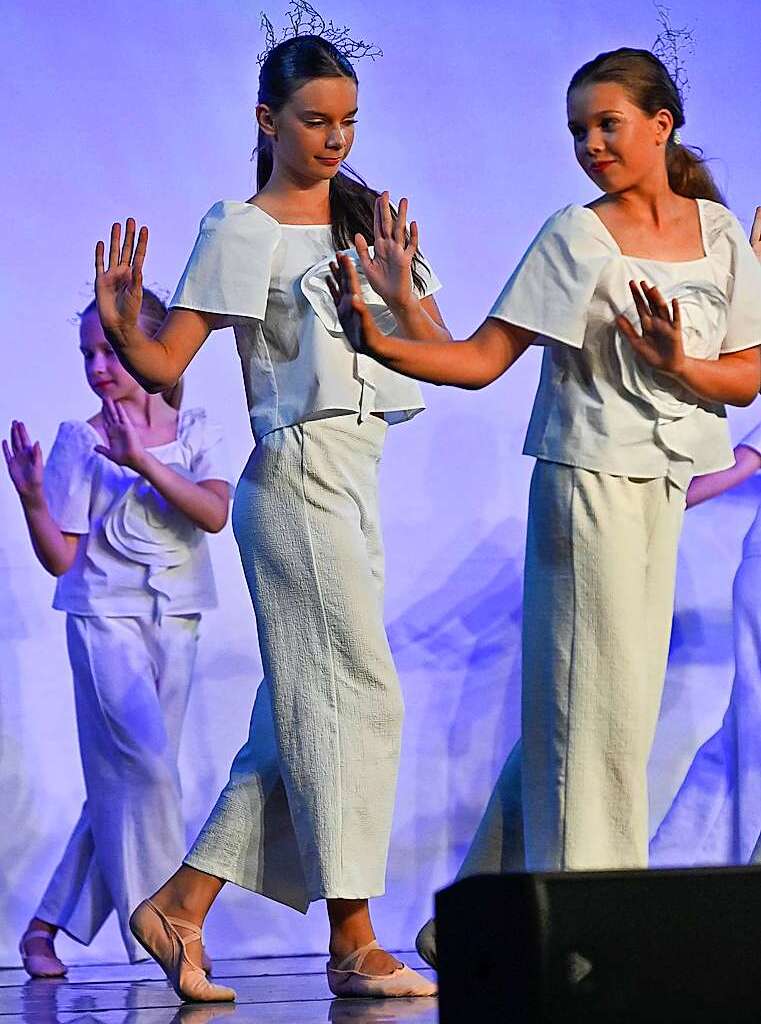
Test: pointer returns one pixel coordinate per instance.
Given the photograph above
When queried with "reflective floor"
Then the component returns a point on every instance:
(278, 990)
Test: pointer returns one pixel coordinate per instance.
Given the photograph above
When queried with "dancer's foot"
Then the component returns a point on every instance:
(169, 940)
(353, 977)
(425, 943)
(37, 951)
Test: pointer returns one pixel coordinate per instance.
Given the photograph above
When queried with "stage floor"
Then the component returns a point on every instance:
(272, 990)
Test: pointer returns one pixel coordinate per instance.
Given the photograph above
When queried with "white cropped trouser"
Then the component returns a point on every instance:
(598, 599)
(307, 812)
(131, 684)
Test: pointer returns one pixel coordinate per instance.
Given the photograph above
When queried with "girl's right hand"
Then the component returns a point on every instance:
(755, 233)
(358, 324)
(24, 461)
(119, 289)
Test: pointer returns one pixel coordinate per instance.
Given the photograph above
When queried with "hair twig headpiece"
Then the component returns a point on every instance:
(669, 47)
(306, 21)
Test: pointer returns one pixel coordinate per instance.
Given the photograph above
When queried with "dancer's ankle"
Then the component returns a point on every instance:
(38, 925)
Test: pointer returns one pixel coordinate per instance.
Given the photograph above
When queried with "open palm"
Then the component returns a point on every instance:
(660, 344)
(124, 445)
(119, 287)
(389, 269)
(24, 461)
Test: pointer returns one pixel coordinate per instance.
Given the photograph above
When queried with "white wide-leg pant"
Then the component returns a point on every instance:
(598, 598)
(307, 812)
(715, 817)
(131, 684)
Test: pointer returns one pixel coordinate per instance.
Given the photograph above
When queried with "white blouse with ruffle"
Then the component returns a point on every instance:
(598, 406)
(139, 555)
(269, 282)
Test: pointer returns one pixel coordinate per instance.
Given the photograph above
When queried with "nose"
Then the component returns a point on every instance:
(336, 139)
(593, 143)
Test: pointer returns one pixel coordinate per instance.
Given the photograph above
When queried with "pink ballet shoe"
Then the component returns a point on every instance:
(158, 936)
(347, 979)
(206, 965)
(41, 965)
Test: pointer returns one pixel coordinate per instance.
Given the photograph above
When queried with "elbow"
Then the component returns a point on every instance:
(216, 523)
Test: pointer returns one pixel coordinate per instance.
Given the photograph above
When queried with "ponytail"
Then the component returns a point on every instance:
(689, 175)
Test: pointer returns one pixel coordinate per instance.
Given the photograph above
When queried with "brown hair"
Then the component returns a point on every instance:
(153, 311)
(651, 88)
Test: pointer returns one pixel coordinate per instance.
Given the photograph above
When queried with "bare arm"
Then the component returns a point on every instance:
(155, 363)
(471, 364)
(711, 485)
(205, 504)
(55, 550)
(734, 378)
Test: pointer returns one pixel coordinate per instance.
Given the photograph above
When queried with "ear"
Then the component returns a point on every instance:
(664, 125)
(265, 120)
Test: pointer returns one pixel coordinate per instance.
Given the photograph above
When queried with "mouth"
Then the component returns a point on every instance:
(600, 166)
(100, 385)
(329, 161)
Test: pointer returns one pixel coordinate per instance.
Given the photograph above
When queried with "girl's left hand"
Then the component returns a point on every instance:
(755, 233)
(388, 271)
(661, 343)
(124, 445)
(356, 319)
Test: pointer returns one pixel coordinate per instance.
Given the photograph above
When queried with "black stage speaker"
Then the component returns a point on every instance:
(602, 947)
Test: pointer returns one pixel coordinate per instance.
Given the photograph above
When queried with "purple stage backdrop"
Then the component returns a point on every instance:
(147, 109)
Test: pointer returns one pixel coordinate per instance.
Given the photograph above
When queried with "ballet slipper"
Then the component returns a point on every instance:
(206, 965)
(41, 965)
(425, 943)
(348, 980)
(158, 936)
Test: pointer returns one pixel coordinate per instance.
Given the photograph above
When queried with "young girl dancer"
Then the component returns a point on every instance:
(716, 815)
(307, 812)
(622, 420)
(118, 515)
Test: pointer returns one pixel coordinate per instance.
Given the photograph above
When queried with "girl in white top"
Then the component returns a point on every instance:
(307, 812)
(119, 515)
(715, 817)
(623, 418)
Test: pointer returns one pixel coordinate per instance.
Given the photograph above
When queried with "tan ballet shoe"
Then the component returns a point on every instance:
(206, 965)
(158, 935)
(347, 979)
(425, 943)
(41, 965)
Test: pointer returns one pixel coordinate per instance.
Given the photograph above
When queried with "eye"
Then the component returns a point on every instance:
(312, 123)
(609, 124)
(578, 133)
(350, 120)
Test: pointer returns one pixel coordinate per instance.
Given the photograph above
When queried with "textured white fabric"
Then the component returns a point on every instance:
(131, 685)
(269, 281)
(598, 592)
(307, 812)
(598, 406)
(138, 554)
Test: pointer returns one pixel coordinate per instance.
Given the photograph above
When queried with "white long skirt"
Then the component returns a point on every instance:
(131, 685)
(715, 818)
(307, 812)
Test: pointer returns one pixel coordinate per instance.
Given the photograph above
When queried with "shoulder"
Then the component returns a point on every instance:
(77, 435)
(574, 233)
(196, 430)
(230, 218)
(720, 223)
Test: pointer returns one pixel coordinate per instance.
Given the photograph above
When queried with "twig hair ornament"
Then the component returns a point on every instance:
(304, 20)
(669, 47)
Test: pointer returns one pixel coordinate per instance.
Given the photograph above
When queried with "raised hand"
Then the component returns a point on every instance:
(24, 462)
(124, 445)
(755, 233)
(355, 317)
(389, 269)
(661, 344)
(119, 289)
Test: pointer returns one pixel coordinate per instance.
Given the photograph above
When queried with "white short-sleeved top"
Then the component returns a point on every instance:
(138, 556)
(269, 281)
(598, 406)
